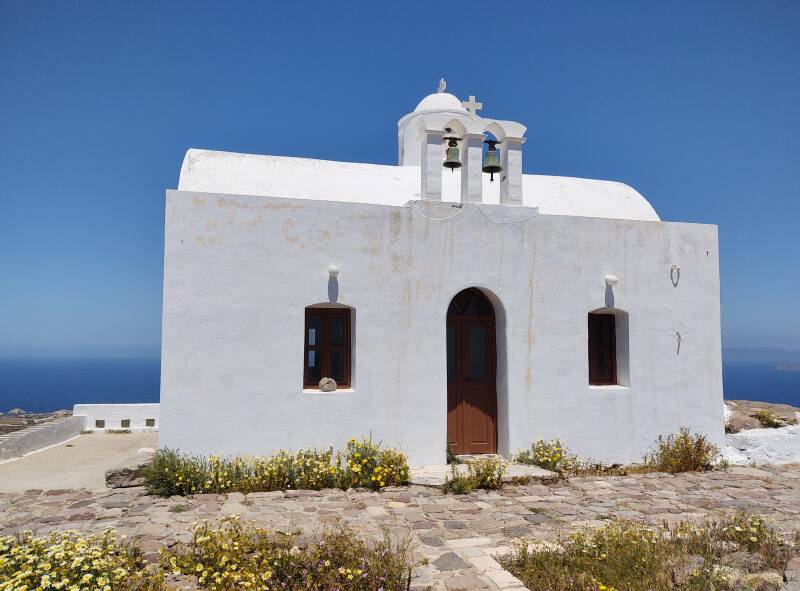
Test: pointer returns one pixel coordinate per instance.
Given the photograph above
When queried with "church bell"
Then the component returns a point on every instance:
(452, 159)
(491, 163)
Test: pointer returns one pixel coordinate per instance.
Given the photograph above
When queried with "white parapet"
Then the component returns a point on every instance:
(135, 417)
(36, 437)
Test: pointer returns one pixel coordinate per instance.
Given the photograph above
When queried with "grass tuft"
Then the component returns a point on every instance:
(482, 473)
(684, 452)
(452, 458)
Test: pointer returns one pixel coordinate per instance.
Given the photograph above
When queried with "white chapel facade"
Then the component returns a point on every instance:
(449, 299)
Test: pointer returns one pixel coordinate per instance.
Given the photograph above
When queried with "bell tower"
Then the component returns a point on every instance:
(445, 133)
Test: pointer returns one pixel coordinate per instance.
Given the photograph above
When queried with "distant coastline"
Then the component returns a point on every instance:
(760, 355)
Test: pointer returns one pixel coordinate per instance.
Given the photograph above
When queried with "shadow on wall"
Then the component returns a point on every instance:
(333, 289)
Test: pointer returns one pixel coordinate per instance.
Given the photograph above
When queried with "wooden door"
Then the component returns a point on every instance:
(471, 374)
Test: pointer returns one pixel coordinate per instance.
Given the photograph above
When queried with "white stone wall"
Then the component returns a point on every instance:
(30, 439)
(113, 415)
(239, 272)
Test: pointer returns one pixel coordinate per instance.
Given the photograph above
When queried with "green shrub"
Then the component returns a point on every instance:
(451, 456)
(366, 464)
(74, 560)
(485, 473)
(683, 452)
(238, 555)
(633, 557)
(457, 484)
(363, 463)
(550, 455)
(750, 530)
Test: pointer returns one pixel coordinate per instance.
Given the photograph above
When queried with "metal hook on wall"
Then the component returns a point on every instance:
(675, 275)
(678, 335)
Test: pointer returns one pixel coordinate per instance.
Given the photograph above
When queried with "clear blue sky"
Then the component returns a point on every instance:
(695, 104)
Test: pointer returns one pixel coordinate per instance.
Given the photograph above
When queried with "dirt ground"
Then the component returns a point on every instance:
(79, 463)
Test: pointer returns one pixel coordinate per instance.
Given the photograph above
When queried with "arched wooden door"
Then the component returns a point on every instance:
(471, 374)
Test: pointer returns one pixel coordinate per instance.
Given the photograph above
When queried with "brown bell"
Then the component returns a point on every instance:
(452, 159)
(491, 164)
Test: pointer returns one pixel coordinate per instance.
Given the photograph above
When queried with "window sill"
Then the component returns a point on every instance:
(320, 392)
(608, 387)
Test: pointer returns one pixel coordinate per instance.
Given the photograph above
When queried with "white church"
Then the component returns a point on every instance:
(449, 298)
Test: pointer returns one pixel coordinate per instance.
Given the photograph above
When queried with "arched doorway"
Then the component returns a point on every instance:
(471, 374)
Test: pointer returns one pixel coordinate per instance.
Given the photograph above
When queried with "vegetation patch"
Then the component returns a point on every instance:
(362, 464)
(550, 455)
(684, 452)
(680, 452)
(483, 473)
(770, 420)
(228, 557)
(452, 458)
(237, 555)
(71, 560)
(738, 553)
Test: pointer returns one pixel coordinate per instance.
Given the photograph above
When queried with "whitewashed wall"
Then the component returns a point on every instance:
(239, 272)
(112, 416)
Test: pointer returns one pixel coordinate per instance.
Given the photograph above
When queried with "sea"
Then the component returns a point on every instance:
(43, 385)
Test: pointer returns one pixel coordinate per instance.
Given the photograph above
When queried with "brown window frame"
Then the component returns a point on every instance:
(324, 346)
(599, 323)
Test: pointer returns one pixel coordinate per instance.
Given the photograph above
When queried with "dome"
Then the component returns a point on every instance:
(440, 101)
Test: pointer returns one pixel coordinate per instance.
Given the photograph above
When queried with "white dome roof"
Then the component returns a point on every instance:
(440, 101)
(206, 171)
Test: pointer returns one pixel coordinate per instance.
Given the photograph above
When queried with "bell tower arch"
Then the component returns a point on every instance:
(423, 138)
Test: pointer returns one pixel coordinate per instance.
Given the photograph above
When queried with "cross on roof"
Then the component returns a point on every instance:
(472, 106)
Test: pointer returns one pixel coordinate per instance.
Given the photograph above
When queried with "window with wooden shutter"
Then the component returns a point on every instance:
(327, 346)
(602, 349)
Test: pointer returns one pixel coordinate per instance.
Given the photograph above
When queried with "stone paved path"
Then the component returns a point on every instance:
(460, 535)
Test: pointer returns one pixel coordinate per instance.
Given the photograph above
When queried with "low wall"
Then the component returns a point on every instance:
(18, 443)
(101, 417)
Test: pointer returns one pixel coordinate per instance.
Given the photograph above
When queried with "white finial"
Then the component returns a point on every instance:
(472, 106)
(442, 85)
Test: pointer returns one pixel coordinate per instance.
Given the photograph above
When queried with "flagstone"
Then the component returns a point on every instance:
(481, 524)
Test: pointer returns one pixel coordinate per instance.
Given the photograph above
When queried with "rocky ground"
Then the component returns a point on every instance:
(740, 413)
(749, 441)
(460, 535)
(17, 419)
